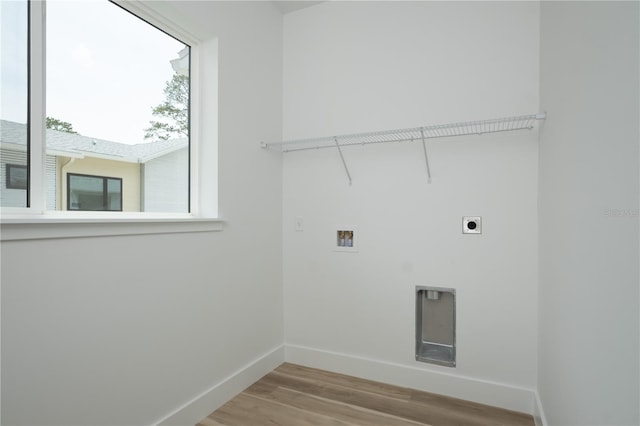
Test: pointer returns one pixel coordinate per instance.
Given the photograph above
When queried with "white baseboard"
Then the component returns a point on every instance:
(538, 412)
(202, 405)
(471, 389)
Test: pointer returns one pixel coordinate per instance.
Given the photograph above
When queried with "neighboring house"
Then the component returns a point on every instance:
(84, 173)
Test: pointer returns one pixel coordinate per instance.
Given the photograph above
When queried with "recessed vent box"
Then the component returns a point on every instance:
(436, 325)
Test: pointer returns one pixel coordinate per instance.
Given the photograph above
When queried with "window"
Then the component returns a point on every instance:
(94, 193)
(168, 183)
(16, 176)
(118, 94)
(14, 95)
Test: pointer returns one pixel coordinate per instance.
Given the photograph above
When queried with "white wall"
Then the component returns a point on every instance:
(589, 190)
(125, 330)
(362, 66)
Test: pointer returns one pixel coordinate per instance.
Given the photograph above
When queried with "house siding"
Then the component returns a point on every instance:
(11, 197)
(17, 197)
(52, 182)
(166, 183)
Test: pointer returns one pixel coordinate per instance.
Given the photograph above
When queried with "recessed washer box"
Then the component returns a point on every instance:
(472, 225)
(346, 238)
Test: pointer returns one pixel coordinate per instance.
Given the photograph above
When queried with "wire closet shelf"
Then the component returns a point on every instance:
(520, 122)
(479, 127)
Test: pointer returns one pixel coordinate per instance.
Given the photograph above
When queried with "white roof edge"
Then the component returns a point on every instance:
(59, 153)
(111, 157)
(163, 152)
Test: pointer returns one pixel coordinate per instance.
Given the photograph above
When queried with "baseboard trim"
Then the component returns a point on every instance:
(202, 405)
(471, 389)
(538, 412)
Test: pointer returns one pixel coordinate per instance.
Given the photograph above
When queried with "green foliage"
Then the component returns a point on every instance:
(173, 113)
(62, 126)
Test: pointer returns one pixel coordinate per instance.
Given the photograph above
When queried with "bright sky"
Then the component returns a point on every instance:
(106, 68)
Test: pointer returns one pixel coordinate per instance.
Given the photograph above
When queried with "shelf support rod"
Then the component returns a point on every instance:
(426, 157)
(344, 163)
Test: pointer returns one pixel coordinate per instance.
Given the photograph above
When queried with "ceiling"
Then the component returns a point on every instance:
(288, 6)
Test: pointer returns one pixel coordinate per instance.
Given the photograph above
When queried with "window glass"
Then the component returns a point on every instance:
(117, 105)
(14, 97)
(16, 176)
(114, 193)
(94, 193)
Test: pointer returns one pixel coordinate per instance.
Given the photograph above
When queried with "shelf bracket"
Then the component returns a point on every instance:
(346, 169)
(426, 157)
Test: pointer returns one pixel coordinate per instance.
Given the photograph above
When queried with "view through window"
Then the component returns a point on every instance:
(117, 110)
(14, 94)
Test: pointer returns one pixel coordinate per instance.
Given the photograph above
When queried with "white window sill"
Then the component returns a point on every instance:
(38, 227)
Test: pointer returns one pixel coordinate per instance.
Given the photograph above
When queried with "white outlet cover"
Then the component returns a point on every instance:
(472, 225)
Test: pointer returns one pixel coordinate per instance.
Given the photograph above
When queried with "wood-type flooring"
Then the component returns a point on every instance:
(292, 395)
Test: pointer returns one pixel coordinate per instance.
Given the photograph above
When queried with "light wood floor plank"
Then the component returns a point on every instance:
(322, 376)
(209, 422)
(246, 410)
(292, 395)
(436, 408)
(389, 405)
(489, 416)
(341, 411)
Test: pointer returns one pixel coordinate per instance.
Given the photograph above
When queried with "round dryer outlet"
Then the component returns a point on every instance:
(472, 225)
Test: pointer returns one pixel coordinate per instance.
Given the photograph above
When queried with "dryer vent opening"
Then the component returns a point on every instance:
(436, 325)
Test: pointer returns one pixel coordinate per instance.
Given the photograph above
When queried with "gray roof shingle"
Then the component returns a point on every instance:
(61, 143)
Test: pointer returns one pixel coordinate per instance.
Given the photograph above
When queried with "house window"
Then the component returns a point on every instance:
(94, 193)
(16, 176)
(14, 96)
(98, 91)
(118, 103)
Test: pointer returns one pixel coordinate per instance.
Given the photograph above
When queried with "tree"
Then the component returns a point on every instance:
(173, 112)
(62, 126)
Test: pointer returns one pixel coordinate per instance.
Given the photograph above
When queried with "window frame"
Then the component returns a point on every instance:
(36, 222)
(105, 190)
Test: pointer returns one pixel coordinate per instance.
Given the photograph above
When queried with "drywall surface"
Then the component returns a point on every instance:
(125, 330)
(363, 66)
(589, 185)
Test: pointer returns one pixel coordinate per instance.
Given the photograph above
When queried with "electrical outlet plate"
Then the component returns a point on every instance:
(472, 225)
(342, 242)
